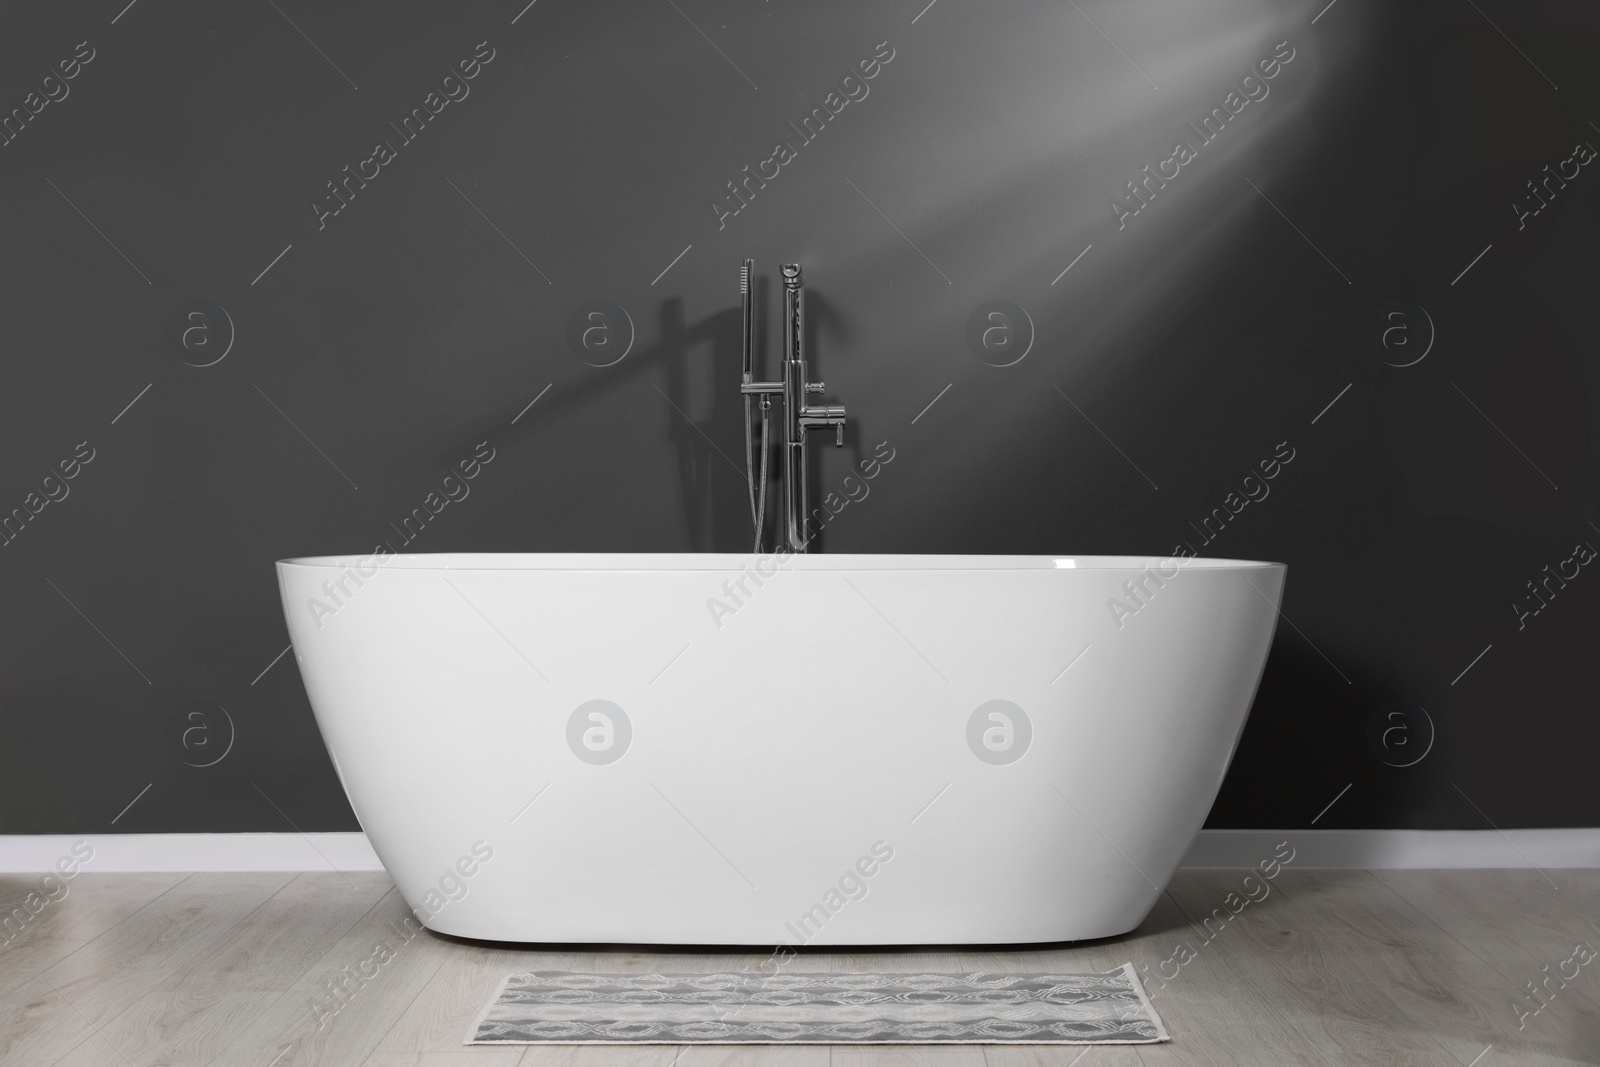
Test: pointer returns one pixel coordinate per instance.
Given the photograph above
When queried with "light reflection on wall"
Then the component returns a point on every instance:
(998, 154)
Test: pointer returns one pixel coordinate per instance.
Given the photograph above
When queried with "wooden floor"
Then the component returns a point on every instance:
(1347, 967)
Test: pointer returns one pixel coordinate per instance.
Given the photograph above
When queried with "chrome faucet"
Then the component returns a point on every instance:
(798, 416)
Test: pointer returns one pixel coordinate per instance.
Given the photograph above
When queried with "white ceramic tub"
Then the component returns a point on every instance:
(629, 748)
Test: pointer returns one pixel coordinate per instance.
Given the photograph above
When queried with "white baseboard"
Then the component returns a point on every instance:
(115, 853)
(36, 853)
(1400, 849)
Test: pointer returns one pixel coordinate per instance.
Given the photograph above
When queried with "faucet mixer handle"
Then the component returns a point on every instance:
(816, 417)
(815, 387)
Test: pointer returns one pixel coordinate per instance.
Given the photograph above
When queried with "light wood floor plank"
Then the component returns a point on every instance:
(1512, 919)
(740, 1056)
(31, 1029)
(604, 1056)
(121, 965)
(32, 1011)
(1466, 1022)
(1063, 1055)
(25, 959)
(193, 1014)
(1195, 977)
(1316, 975)
(909, 1055)
(678, 1056)
(437, 1018)
(478, 1057)
(88, 987)
(1397, 942)
(1517, 922)
(343, 1005)
(93, 902)
(176, 1046)
(1388, 967)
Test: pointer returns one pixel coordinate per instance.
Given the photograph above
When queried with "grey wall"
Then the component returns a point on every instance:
(369, 351)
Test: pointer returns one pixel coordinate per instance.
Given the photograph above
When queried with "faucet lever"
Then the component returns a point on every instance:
(815, 387)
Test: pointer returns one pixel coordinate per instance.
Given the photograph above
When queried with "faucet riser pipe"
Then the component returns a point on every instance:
(794, 400)
(794, 481)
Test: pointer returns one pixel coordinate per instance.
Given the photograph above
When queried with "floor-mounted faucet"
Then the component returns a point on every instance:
(798, 416)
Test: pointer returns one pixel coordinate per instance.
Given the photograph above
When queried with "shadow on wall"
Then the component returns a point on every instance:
(716, 508)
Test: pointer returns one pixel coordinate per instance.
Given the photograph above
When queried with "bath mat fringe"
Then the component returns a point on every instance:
(978, 1008)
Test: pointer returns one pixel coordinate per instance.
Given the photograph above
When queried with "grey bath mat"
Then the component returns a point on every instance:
(563, 1008)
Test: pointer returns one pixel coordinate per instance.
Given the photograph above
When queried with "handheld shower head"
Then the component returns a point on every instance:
(747, 340)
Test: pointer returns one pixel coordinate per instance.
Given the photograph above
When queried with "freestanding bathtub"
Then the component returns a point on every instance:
(719, 749)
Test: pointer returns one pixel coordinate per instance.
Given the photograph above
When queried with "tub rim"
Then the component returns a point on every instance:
(672, 562)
